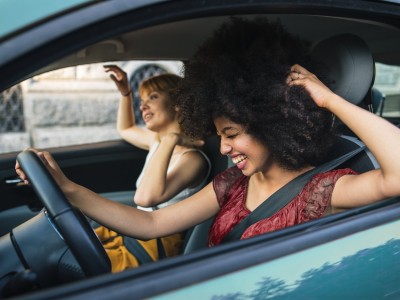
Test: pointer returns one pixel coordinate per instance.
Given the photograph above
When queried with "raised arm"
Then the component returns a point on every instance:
(128, 220)
(380, 136)
(126, 123)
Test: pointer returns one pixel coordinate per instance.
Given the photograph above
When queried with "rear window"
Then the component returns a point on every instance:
(386, 91)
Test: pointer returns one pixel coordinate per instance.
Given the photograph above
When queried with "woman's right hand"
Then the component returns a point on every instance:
(120, 78)
(51, 165)
(185, 141)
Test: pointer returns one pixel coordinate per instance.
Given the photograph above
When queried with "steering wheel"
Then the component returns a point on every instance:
(71, 223)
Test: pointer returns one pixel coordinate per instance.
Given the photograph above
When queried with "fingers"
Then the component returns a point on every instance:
(20, 173)
(113, 78)
(184, 140)
(299, 69)
(198, 143)
(48, 160)
(119, 77)
(113, 68)
(292, 77)
(295, 78)
(42, 155)
(193, 143)
(120, 74)
(297, 75)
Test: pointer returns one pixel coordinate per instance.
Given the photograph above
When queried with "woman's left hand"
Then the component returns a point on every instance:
(319, 92)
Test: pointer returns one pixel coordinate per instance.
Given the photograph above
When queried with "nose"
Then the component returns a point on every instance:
(225, 147)
(143, 105)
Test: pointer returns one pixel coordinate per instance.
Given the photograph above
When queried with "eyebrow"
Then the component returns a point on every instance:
(228, 128)
(149, 94)
(152, 93)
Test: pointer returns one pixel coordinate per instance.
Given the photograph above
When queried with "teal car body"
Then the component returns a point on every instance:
(326, 271)
(18, 14)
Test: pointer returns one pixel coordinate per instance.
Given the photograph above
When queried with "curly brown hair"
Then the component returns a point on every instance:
(240, 73)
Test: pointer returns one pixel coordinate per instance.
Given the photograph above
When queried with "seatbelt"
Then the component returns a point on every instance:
(140, 252)
(137, 250)
(284, 195)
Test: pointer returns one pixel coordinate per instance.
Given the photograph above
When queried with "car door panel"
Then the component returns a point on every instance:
(110, 168)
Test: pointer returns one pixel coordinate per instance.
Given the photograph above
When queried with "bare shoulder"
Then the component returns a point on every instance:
(195, 156)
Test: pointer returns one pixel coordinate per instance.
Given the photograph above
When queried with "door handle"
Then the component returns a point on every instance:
(13, 181)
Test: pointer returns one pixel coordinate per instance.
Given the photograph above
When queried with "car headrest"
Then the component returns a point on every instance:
(218, 161)
(350, 65)
(377, 99)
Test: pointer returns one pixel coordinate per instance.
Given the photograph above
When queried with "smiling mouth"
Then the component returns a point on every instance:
(147, 117)
(238, 159)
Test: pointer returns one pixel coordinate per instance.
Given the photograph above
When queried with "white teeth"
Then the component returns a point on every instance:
(147, 116)
(238, 159)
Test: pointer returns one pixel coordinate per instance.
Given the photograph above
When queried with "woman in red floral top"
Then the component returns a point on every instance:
(311, 203)
(251, 84)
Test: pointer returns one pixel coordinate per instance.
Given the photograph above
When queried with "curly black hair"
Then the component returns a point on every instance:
(240, 73)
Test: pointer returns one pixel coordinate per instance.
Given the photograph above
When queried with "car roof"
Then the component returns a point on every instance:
(172, 30)
(16, 15)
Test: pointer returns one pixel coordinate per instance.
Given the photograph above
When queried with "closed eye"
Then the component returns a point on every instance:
(232, 136)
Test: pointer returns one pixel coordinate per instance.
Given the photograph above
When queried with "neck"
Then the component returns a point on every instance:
(264, 184)
(276, 177)
(173, 127)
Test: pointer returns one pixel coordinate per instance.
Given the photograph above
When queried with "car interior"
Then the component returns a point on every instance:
(350, 59)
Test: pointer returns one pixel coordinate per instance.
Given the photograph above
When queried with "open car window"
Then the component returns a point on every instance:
(386, 92)
(70, 106)
(78, 105)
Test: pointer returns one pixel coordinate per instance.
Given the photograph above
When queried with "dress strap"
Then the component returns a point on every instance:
(170, 168)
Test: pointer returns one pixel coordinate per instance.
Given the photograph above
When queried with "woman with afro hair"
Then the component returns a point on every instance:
(250, 82)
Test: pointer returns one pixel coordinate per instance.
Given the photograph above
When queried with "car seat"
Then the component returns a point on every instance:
(196, 237)
(378, 101)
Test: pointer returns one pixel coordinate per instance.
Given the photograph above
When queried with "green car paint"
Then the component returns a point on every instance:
(323, 272)
(17, 14)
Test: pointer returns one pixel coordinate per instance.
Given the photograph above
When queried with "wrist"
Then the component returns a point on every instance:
(126, 94)
(69, 188)
(333, 102)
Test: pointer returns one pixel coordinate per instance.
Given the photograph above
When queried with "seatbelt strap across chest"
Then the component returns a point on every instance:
(284, 195)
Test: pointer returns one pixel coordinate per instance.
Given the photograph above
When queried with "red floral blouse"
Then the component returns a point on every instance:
(231, 185)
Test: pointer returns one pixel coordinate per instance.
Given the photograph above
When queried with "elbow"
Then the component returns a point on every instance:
(126, 136)
(144, 200)
(390, 187)
(122, 132)
(393, 191)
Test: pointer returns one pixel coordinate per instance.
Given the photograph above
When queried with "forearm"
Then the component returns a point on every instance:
(125, 116)
(380, 136)
(152, 188)
(124, 219)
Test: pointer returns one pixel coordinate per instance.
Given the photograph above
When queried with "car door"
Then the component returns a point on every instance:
(110, 168)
